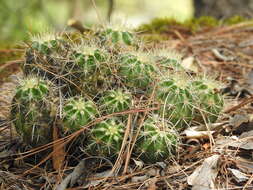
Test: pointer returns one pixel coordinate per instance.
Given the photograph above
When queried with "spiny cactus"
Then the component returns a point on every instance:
(137, 70)
(168, 60)
(210, 101)
(32, 89)
(157, 140)
(33, 111)
(75, 67)
(105, 138)
(78, 112)
(116, 101)
(86, 67)
(43, 51)
(176, 100)
(117, 34)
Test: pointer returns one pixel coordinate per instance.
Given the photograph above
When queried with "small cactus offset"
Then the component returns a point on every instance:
(33, 111)
(105, 138)
(32, 89)
(78, 112)
(118, 34)
(137, 71)
(43, 55)
(168, 60)
(86, 66)
(157, 140)
(210, 101)
(116, 101)
(176, 100)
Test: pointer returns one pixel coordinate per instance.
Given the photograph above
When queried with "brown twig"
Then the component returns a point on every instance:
(243, 103)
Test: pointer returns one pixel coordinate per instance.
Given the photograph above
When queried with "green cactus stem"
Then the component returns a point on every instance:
(115, 101)
(168, 60)
(137, 70)
(210, 100)
(117, 36)
(157, 141)
(33, 111)
(45, 56)
(78, 112)
(105, 138)
(176, 100)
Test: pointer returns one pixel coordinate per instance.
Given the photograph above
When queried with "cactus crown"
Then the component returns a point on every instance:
(116, 101)
(118, 33)
(106, 138)
(168, 56)
(157, 140)
(32, 88)
(136, 70)
(78, 112)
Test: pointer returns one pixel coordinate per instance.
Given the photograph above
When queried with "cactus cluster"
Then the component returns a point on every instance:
(76, 81)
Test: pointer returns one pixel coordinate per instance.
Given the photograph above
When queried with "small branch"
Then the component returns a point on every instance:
(243, 103)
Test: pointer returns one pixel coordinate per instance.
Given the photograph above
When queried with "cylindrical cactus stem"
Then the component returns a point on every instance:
(87, 58)
(118, 36)
(176, 100)
(34, 111)
(115, 101)
(105, 138)
(210, 101)
(168, 60)
(157, 140)
(86, 67)
(137, 70)
(43, 49)
(77, 112)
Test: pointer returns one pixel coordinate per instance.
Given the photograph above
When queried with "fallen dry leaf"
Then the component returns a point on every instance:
(203, 177)
(239, 176)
